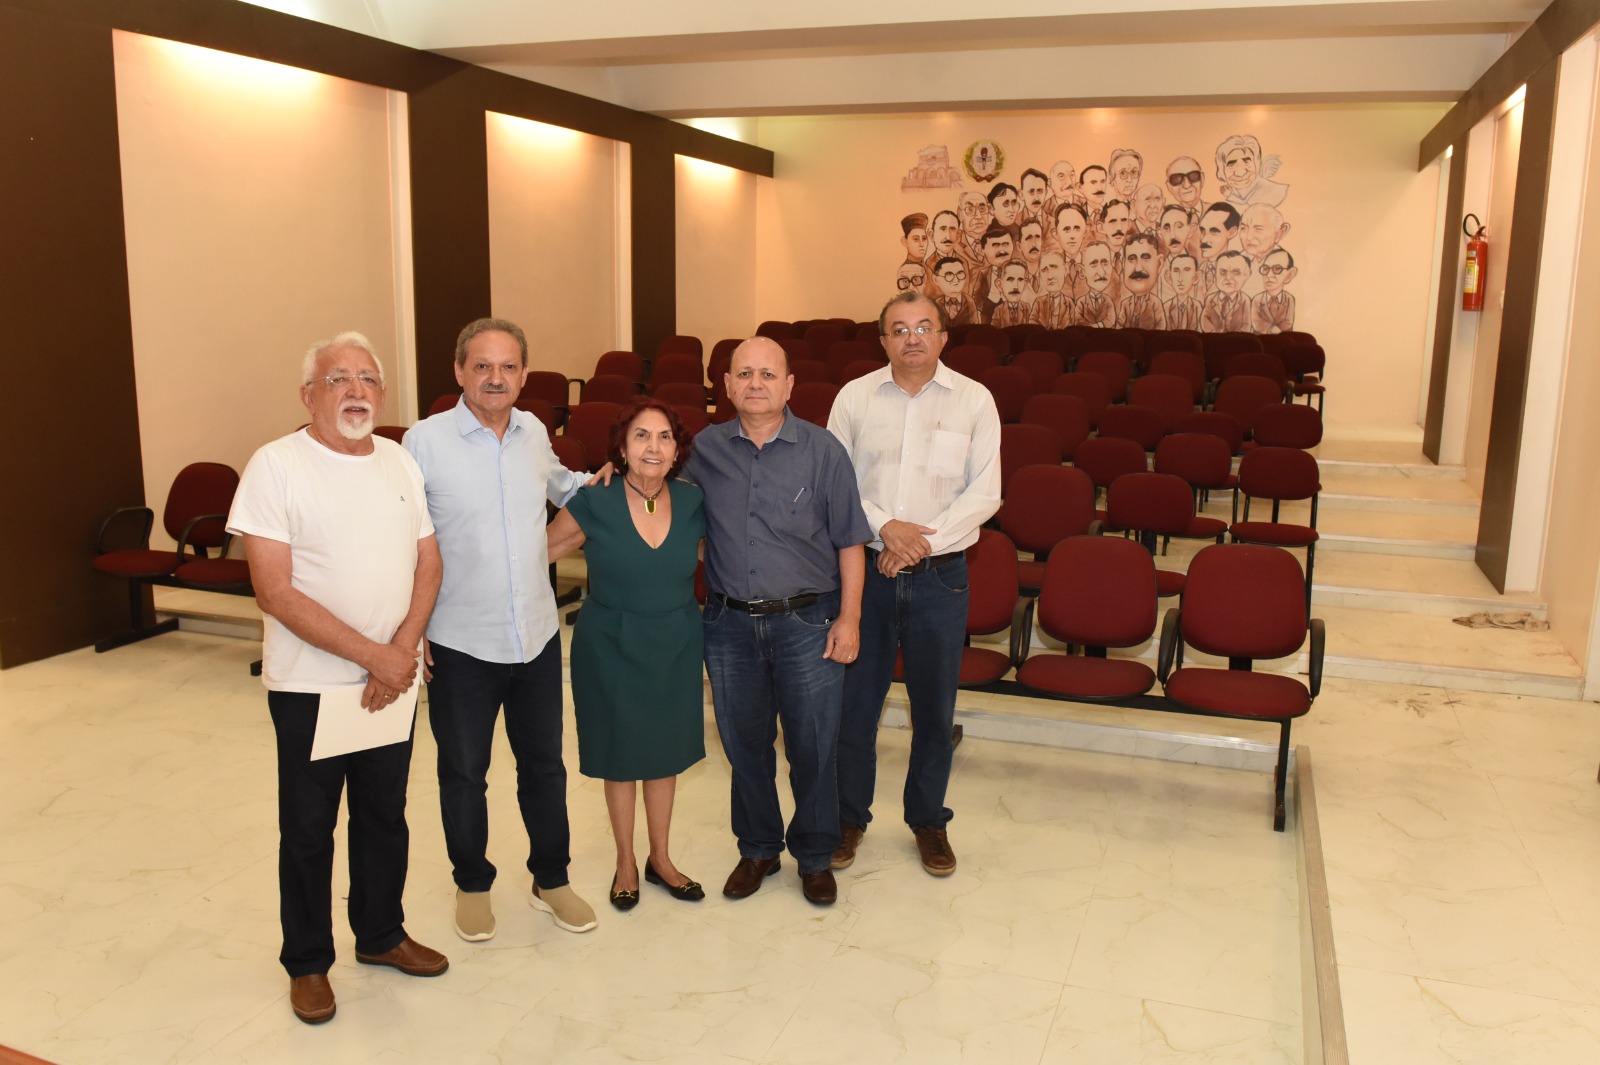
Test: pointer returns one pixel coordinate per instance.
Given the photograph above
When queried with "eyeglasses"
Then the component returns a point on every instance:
(343, 380)
(1193, 177)
(1272, 271)
(914, 281)
(954, 275)
(901, 332)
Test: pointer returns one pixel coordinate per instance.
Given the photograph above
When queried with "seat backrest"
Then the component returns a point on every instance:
(1047, 504)
(991, 583)
(1043, 367)
(813, 400)
(1133, 422)
(1288, 425)
(1220, 347)
(1244, 601)
(543, 411)
(1114, 366)
(620, 364)
(396, 433)
(775, 330)
(810, 371)
(1150, 503)
(1279, 473)
(677, 366)
(570, 452)
(1026, 445)
(1018, 336)
(1105, 458)
(609, 388)
(867, 332)
(443, 403)
(990, 337)
(1258, 364)
(1010, 386)
(1178, 340)
(1093, 389)
(200, 488)
(1185, 364)
(1169, 395)
(681, 344)
(825, 335)
(1301, 359)
(1223, 426)
(681, 393)
(693, 417)
(1242, 397)
(721, 357)
(591, 423)
(1067, 415)
(547, 385)
(970, 360)
(1099, 591)
(844, 352)
(1202, 460)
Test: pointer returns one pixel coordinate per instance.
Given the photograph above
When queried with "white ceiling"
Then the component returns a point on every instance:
(689, 58)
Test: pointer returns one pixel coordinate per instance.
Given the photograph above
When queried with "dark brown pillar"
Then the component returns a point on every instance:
(1445, 314)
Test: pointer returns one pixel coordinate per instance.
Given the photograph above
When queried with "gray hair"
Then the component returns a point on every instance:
(490, 325)
(348, 339)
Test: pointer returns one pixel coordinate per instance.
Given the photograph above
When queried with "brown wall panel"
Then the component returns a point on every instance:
(655, 243)
(1445, 315)
(1516, 329)
(71, 431)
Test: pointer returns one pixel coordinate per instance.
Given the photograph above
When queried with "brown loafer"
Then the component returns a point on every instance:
(410, 957)
(849, 840)
(933, 845)
(819, 887)
(311, 998)
(747, 876)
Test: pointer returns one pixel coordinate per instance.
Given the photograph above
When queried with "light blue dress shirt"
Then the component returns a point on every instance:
(486, 498)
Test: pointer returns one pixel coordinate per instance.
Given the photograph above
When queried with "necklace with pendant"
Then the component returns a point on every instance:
(649, 500)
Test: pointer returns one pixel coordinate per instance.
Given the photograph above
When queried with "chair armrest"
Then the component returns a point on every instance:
(1171, 639)
(1021, 630)
(188, 531)
(148, 520)
(1319, 637)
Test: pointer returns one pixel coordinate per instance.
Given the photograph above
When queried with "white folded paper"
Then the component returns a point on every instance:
(343, 726)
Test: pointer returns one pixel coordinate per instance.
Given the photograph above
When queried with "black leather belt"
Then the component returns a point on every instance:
(930, 562)
(761, 607)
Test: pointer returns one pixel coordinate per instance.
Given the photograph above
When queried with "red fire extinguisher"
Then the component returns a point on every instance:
(1477, 263)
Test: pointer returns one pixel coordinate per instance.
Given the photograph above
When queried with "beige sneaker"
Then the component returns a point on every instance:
(474, 916)
(562, 903)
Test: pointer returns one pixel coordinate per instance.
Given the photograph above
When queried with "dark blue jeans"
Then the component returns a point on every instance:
(923, 617)
(379, 840)
(464, 699)
(765, 670)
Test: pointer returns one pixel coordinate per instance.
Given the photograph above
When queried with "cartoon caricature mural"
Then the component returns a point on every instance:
(1107, 242)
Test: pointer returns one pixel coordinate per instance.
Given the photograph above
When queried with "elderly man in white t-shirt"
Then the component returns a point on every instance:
(345, 567)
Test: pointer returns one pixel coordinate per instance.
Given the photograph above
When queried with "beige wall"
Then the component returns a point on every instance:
(1362, 216)
(554, 261)
(257, 208)
(716, 223)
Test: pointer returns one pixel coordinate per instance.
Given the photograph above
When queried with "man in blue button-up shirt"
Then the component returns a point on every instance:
(784, 567)
(493, 640)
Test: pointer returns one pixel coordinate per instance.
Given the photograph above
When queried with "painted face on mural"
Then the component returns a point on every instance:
(911, 275)
(1092, 184)
(951, 279)
(1140, 261)
(1277, 270)
(1032, 243)
(1261, 228)
(1115, 224)
(1147, 204)
(997, 247)
(1174, 229)
(1007, 205)
(916, 244)
(1071, 229)
(1013, 279)
(1126, 169)
(1063, 181)
(1239, 169)
(1097, 266)
(1052, 272)
(1035, 190)
(1186, 181)
(946, 229)
(975, 212)
(1214, 233)
(1233, 270)
(1182, 271)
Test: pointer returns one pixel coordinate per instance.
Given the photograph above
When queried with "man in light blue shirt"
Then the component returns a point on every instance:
(493, 640)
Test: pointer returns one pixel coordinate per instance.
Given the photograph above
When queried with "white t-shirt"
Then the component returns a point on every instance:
(352, 523)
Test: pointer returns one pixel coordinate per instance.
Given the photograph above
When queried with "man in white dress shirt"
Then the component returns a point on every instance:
(925, 443)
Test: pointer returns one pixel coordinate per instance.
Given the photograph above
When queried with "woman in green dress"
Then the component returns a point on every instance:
(636, 651)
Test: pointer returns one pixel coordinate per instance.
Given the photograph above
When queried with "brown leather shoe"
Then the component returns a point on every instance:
(934, 847)
(849, 840)
(819, 887)
(747, 876)
(410, 957)
(311, 998)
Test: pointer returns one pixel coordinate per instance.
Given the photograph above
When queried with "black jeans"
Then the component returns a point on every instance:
(464, 699)
(308, 808)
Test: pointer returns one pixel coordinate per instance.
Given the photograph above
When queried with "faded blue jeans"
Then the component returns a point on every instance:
(765, 670)
(923, 618)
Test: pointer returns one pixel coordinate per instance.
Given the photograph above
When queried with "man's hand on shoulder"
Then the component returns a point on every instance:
(602, 476)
